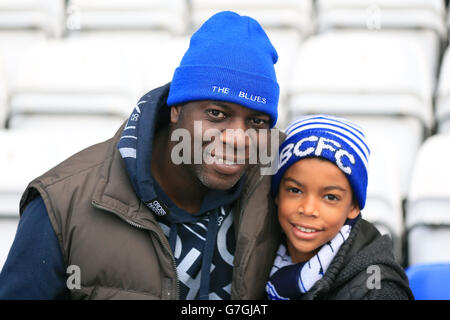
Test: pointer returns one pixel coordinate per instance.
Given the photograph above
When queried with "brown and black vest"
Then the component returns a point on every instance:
(111, 235)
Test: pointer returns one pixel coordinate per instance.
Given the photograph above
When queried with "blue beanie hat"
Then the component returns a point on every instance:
(335, 139)
(230, 58)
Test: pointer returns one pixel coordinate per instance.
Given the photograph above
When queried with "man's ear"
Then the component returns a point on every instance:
(276, 200)
(175, 112)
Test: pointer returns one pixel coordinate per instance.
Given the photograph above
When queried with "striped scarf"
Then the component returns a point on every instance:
(290, 281)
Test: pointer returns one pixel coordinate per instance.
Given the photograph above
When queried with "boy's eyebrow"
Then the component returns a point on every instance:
(292, 180)
(328, 188)
(334, 188)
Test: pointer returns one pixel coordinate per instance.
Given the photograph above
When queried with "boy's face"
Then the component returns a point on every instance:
(314, 200)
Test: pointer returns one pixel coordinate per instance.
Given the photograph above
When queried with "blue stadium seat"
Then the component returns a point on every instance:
(430, 281)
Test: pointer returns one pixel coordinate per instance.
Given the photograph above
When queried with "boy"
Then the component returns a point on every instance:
(330, 252)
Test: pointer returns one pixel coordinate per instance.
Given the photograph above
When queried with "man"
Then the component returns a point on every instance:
(126, 219)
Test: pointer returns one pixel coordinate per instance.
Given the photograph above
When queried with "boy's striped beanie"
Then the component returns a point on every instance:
(335, 139)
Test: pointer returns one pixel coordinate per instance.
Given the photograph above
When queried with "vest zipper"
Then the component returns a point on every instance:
(165, 244)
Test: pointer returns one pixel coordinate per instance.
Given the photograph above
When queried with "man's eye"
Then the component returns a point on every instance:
(259, 122)
(216, 113)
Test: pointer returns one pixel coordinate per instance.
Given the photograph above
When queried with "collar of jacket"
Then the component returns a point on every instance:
(363, 248)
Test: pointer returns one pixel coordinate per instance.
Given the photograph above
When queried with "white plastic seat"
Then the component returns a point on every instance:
(443, 96)
(385, 82)
(170, 15)
(384, 201)
(3, 95)
(27, 154)
(401, 138)
(428, 203)
(295, 14)
(286, 43)
(74, 77)
(99, 127)
(46, 15)
(362, 73)
(383, 14)
(14, 45)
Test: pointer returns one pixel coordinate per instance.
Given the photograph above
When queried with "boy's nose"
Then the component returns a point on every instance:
(309, 207)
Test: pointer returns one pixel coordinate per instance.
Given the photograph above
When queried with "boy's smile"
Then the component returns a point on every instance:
(314, 200)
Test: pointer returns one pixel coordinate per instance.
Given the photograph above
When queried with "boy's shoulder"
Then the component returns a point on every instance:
(367, 244)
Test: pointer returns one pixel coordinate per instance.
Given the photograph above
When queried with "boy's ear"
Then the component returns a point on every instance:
(354, 211)
(276, 200)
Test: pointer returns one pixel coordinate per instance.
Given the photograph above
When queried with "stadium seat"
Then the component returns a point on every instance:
(383, 81)
(293, 14)
(100, 127)
(45, 15)
(3, 95)
(73, 77)
(168, 15)
(430, 281)
(362, 73)
(287, 44)
(443, 96)
(14, 45)
(428, 202)
(46, 148)
(384, 201)
(383, 14)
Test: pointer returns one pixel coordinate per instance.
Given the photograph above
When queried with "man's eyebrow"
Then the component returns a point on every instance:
(220, 104)
(255, 113)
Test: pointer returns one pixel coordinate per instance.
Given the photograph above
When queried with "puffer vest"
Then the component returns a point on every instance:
(122, 253)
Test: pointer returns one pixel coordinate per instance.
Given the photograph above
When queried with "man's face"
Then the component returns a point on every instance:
(217, 130)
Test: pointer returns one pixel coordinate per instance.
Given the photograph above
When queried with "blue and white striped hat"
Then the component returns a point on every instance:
(335, 139)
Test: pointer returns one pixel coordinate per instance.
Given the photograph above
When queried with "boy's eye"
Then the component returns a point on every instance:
(294, 190)
(331, 197)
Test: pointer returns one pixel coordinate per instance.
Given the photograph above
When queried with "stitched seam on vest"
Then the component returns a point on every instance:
(95, 287)
(74, 174)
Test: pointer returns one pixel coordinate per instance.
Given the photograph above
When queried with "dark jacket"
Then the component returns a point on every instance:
(105, 229)
(352, 275)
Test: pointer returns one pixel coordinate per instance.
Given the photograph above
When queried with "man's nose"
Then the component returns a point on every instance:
(235, 135)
